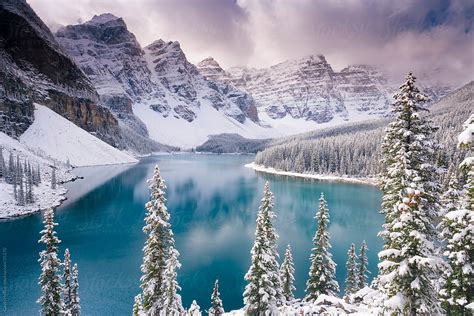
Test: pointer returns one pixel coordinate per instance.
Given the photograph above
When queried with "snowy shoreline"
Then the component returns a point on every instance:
(260, 168)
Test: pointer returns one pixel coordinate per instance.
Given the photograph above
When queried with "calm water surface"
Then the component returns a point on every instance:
(213, 201)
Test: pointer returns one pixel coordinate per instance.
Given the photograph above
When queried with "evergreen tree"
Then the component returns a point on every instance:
(172, 303)
(287, 272)
(21, 191)
(263, 290)
(53, 178)
(322, 273)
(363, 271)
(217, 308)
(157, 247)
(3, 168)
(75, 308)
(38, 174)
(11, 169)
(50, 280)
(409, 262)
(67, 290)
(451, 197)
(351, 270)
(194, 309)
(30, 198)
(457, 230)
(137, 306)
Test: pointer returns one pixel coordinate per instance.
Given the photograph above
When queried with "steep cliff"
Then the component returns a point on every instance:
(34, 68)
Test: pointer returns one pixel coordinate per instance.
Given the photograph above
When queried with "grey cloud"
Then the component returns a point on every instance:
(432, 38)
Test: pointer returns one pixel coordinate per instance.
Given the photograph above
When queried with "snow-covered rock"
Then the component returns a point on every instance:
(184, 83)
(109, 55)
(35, 68)
(310, 89)
(55, 138)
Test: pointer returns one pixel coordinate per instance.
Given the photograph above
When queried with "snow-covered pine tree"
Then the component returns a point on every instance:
(263, 290)
(217, 308)
(172, 304)
(3, 168)
(11, 169)
(38, 174)
(322, 273)
(351, 271)
(53, 178)
(457, 230)
(137, 306)
(21, 190)
(50, 280)
(67, 280)
(362, 272)
(409, 262)
(157, 247)
(75, 307)
(287, 271)
(194, 309)
(450, 200)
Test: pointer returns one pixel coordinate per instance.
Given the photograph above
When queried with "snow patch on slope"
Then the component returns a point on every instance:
(209, 121)
(53, 136)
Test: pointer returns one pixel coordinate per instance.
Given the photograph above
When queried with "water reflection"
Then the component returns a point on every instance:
(213, 202)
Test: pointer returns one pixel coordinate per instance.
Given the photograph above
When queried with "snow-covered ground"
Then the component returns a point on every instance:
(259, 168)
(53, 136)
(53, 141)
(179, 132)
(44, 196)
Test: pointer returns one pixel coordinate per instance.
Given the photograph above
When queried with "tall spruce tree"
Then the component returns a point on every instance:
(351, 271)
(11, 169)
(3, 168)
(172, 303)
(50, 280)
(287, 271)
(362, 272)
(322, 273)
(157, 247)
(409, 261)
(194, 309)
(450, 200)
(457, 230)
(67, 280)
(137, 306)
(217, 308)
(53, 178)
(263, 290)
(75, 306)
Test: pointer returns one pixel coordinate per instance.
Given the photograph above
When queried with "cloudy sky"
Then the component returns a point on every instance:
(431, 37)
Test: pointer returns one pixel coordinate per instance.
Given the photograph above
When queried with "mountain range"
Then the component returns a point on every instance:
(97, 75)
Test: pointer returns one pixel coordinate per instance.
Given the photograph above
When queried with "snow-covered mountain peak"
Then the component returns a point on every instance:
(209, 62)
(211, 69)
(104, 18)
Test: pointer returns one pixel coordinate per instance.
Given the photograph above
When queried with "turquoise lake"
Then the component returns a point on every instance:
(213, 201)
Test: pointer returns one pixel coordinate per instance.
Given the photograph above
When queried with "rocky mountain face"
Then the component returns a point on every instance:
(113, 60)
(185, 87)
(310, 89)
(159, 75)
(34, 68)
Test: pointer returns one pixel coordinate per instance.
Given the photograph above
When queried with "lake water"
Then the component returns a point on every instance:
(213, 201)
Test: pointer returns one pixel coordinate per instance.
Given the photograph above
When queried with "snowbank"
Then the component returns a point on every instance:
(52, 136)
(259, 168)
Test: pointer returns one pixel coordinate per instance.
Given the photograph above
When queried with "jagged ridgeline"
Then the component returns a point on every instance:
(355, 149)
